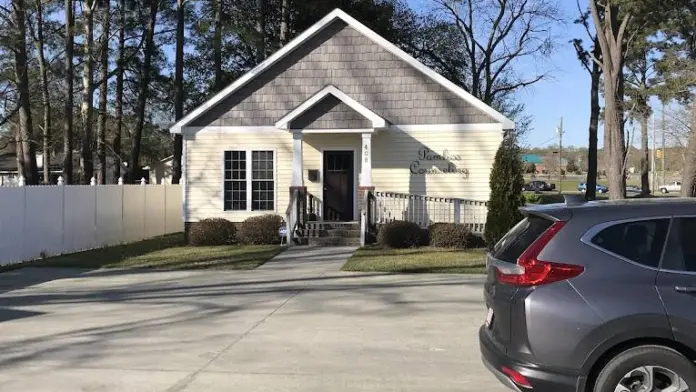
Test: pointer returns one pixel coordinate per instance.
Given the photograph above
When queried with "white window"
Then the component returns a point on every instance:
(249, 181)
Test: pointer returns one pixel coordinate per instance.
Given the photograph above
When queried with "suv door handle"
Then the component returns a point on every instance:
(685, 289)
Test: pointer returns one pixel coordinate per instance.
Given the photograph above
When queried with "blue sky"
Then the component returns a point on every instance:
(566, 93)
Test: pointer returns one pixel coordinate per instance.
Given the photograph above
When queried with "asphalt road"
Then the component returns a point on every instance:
(296, 324)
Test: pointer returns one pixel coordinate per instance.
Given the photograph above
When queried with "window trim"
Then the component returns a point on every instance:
(671, 271)
(249, 172)
(594, 230)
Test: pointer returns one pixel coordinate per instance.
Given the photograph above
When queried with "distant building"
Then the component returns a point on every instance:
(532, 158)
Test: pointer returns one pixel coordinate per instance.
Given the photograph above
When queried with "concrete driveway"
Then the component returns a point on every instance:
(296, 324)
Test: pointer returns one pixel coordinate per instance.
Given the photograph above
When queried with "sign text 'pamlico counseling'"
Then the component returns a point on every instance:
(427, 157)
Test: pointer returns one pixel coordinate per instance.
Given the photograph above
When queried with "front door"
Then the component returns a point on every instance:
(338, 185)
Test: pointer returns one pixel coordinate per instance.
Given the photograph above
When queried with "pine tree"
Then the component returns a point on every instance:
(506, 191)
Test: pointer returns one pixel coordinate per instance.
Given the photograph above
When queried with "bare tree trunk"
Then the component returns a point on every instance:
(19, 152)
(591, 192)
(103, 94)
(260, 31)
(178, 90)
(68, 111)
(217, 47)
(87, 91)
(645, 156)
(28, 151)
(611, 32)
(142, 96)
(119, 89)
(689, 174)
(45, 97)
(284, 22)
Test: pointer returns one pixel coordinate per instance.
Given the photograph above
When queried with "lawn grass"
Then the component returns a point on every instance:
(417, 260)
(166, 252)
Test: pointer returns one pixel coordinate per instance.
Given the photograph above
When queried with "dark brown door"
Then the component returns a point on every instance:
(338, 185)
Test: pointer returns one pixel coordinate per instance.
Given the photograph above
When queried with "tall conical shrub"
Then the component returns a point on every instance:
(506, 197)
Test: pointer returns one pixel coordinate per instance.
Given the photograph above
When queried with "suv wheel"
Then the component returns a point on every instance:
(663, 190)
(647, 369)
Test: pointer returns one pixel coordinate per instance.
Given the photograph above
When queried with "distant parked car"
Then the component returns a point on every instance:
(671, 187)
(539, 186)
(582, 187)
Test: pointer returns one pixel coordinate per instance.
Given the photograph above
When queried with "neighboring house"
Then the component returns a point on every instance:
(337, 112)
(9, 173)
(161, 172)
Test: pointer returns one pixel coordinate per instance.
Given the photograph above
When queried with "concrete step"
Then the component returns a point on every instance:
(344, 233)
(333, 241)
(332, 225)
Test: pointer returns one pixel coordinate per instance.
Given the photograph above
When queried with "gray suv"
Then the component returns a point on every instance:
(595, 297)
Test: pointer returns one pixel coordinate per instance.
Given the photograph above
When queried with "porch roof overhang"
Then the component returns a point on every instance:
(378, 122)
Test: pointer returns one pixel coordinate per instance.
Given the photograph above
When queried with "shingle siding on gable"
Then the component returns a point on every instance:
(331, 113)
(343, 57)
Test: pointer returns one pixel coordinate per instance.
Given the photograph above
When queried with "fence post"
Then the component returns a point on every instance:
(21, 181)
(457, 210)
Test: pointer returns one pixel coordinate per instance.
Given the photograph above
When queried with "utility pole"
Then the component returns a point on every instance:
(664, 152)
(560, 156)
(653, 185)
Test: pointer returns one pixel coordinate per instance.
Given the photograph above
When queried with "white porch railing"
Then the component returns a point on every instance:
(426, 210)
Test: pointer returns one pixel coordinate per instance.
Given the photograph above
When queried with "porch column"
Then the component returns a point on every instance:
(297, 171)
(365, 187)
(366, 159)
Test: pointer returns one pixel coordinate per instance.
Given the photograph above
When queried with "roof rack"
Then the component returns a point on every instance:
(574, 200)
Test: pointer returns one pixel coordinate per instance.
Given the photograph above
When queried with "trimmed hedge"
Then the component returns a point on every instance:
(261, 230)
(449, 235)
(212, 232)
(401, 234)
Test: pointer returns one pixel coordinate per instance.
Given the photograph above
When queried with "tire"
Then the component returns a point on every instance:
(663, 359)
(664, 190)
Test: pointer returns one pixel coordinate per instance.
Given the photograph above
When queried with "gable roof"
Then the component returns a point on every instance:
(376, 119)
(311, 32)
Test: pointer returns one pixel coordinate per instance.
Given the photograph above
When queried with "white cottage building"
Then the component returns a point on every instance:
(337, 125)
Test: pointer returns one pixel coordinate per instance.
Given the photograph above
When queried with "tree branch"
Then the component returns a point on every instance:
(9, 115)
(517, 85)
(601, 37)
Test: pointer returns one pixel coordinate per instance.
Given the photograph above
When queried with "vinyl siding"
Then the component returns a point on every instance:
(204, 171)
(393, 152)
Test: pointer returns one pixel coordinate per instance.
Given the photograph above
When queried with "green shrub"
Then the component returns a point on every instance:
(506, 191)
(401, 234)
(261, 230)
(546, 198)
(449, 235)
(212, 232)
(532, 198)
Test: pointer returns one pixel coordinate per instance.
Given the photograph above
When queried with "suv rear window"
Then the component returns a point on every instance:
(517, 240)
(639, 241)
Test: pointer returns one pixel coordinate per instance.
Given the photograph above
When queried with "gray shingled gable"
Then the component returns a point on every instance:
(330, 113)
(341, 56)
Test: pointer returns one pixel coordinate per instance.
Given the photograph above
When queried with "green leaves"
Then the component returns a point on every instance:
(506, 183)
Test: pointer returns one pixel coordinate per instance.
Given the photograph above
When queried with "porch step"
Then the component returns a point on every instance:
(331, 234)
(334, 241)
(332, 225)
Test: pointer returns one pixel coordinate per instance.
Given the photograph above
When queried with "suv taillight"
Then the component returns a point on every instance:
(530, 271)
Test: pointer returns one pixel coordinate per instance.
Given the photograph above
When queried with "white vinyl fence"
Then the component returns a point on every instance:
(38, 221)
